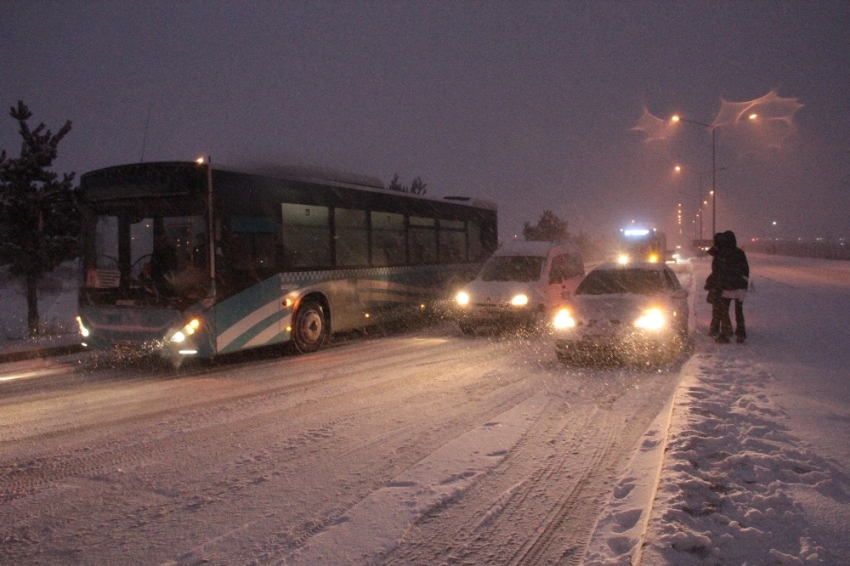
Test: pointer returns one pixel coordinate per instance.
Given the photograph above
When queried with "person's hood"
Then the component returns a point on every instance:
(731, 241)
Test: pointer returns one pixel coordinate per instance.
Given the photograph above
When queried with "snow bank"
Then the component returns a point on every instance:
(758, 449)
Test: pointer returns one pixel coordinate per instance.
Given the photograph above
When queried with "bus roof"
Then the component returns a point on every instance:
(305, 174)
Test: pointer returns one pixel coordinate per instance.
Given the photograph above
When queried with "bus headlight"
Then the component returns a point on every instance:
(652, 319)
(84, 332)
(186, 331)
(563, 319)
(462, 298)
(519, 300)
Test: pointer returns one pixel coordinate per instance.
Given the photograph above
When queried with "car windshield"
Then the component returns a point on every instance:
(616, 281)
(512, 268)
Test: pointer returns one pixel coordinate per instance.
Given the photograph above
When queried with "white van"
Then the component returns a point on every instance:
(520, 285)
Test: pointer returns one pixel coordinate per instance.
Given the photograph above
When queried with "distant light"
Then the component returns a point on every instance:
(675, 118)
(623, 258)
(636, 232)
(678, 168)
(187, 352)
(199, 161)
(774, 222)
(753, 116)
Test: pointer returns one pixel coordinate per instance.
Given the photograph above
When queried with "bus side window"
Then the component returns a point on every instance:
(351, 237)
(476, 250)
(452, 241)
(423, 240)
(388, 240)
(251, 250)
(306, 236)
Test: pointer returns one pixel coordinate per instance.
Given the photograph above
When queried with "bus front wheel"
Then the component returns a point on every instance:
(310, 330)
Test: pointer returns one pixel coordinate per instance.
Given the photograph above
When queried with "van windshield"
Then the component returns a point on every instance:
(512, 268)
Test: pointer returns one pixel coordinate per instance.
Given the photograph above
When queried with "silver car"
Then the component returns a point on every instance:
(636, 312)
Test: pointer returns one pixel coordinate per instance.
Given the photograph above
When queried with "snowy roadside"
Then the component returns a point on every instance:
(57, 307)
(756, 464)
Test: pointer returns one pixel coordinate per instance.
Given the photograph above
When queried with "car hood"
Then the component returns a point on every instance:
(615, 308)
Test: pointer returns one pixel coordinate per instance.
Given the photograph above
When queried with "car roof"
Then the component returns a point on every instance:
(538, 249)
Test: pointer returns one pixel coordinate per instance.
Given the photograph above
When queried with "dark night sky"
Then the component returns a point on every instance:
(528, 104)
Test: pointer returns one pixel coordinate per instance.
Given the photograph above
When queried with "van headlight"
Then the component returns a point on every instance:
(652, 319)
(186, 331)
(519, 300)
(462, 298)
(563, 319)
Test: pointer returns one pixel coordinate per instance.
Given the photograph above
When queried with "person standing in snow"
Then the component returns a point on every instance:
(733, 278)
(712, 285)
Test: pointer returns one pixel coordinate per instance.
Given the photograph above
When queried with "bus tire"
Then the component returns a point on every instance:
(310, 331)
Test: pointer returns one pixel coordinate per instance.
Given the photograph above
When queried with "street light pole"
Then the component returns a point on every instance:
(713, 183)
(713, 170)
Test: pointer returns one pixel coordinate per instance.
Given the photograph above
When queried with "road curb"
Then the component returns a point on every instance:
(620, 531)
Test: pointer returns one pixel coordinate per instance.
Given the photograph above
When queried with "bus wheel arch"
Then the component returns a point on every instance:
(311, 323)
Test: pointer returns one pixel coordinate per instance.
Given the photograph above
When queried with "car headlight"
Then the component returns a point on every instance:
(652, 319)
(186, 331)
(563, 319)
(462, 298)
(519, 301)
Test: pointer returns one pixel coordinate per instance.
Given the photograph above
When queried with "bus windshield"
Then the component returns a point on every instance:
(148, 258)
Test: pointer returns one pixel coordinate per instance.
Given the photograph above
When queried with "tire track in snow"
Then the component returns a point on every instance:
(24, 477)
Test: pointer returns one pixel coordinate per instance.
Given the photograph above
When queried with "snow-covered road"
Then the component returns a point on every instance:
(419, 448)
(428, 447)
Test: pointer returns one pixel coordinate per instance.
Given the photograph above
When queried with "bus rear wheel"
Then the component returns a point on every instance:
(310, 331)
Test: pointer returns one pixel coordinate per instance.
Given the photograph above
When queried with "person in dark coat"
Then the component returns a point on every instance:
(733, 276)
(712, 285)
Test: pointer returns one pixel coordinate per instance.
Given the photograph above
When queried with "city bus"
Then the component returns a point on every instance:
(183, 259)
(637, 243)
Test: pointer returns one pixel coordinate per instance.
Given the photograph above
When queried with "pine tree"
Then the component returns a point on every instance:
(39, 222)
(416, 188)
(549, 228)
